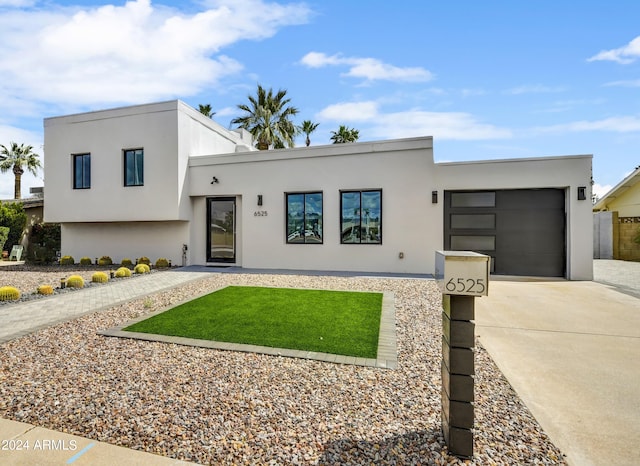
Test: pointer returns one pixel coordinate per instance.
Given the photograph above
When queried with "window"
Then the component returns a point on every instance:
(473, 199)
(473, 243)
(134, 167)
(304, 218)
(361, 217)
(82, 171)
(473, 221)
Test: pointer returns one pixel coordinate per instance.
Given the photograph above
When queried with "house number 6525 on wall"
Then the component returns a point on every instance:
(260, 213)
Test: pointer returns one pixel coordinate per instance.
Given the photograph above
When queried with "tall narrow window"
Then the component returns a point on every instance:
(304, 218)
(361, 217)
(134, 167)
(82, 171)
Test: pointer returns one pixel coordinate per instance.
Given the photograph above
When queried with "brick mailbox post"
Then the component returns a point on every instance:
(462, 276)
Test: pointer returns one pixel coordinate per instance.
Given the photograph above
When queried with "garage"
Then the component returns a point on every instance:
(523, 230)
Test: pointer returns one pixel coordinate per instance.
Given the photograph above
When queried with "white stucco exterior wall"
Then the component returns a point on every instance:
(168, 132)
(105, 135)
(156, 219)
(402, 169)
(109, 218)
(120, 240)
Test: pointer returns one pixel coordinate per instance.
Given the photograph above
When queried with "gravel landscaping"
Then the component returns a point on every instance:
(221, 407)
(27, 278)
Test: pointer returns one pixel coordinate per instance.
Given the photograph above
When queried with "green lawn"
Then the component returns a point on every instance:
(336, 322)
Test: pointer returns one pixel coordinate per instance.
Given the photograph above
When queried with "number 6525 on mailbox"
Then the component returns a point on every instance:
(462, 273)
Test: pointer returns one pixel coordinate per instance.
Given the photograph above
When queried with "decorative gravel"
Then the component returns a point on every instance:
(222, 407)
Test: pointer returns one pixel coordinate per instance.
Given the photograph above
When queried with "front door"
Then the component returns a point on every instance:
(221, 234)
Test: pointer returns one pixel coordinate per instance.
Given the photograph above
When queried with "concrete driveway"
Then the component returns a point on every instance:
(572, 352)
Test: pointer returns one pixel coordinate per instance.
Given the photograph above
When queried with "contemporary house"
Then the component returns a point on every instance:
(616, 221)
(162, 180)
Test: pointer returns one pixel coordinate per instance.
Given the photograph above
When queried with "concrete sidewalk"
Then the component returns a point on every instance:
(571, 350)
(27, 445)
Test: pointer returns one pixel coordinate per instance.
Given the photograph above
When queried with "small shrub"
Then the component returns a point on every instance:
(126, 262)
(75, 281)
(143, 260)
(161, 263)
(12, 215)
(142, 268)
(45, 289)
(44, 243)
(9, 293)
(85, 261)
(123, 272)
(105, 260)
(100, 277)
(67, 260)
(4, 234)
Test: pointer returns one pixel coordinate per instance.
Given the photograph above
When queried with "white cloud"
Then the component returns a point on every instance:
(599, 190)
(350, 111)
(473, 92)
(227, 111)
(440, 125)
(132, 53)
(533, 89)
(623, 55)
(17, 3)
(370, 69)
(412, 123)
(627, 83)
(623, 124)
(21, 136)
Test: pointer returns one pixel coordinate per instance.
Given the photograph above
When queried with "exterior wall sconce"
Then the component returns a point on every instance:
(259, 199)
(214, 180)
(582, 193)
(434, 197)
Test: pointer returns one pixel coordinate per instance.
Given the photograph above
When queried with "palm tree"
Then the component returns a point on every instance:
(206, 110)
(345, 134)
(15, 158)
(308, 127)
(268, 119)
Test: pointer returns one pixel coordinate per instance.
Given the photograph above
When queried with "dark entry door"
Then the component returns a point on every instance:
(522, 230)
(221, 234)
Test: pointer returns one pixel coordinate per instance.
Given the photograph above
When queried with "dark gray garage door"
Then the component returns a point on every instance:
(522, 230)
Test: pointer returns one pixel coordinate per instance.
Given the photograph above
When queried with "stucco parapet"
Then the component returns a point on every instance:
(329, 150)
(114, 113)
(518, 160)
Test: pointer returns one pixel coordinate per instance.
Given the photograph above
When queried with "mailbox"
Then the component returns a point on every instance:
(462, 276)
(462, 273)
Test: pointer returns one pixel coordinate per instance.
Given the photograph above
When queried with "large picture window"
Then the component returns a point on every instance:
(82, 171)
(361, 217)
(304, 218)
(134, 167)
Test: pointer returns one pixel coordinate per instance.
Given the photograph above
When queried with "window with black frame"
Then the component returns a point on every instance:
(304, 218)
(361, 216)
(134, 167)
(82, 171)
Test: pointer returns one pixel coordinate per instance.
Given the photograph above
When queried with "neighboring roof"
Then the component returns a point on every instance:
(27, 203)
(629, 182)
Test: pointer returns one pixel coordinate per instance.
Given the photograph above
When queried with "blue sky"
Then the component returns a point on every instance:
(492, 79)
